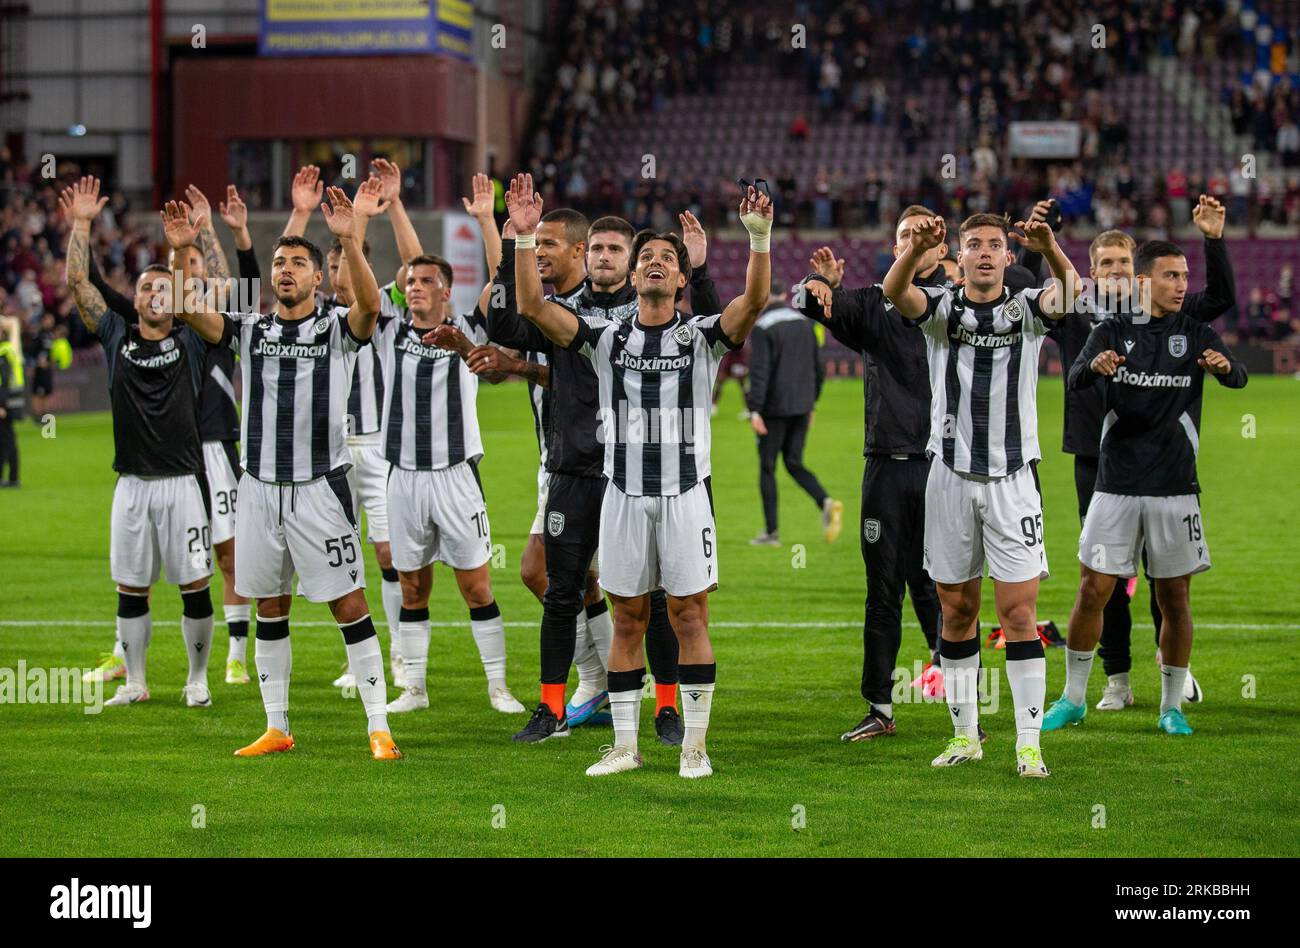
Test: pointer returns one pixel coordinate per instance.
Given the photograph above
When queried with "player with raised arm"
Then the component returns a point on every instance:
(160, 515)
(1150, 366)
(655, 374)
(437, 511)
(295, 509)
(982, 501)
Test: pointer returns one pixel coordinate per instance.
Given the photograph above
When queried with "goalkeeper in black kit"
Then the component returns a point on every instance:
(1151, 367)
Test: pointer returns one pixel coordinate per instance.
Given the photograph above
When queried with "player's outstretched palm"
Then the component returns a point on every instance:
(178, 225)
(201, 209)
(697, 243)
(1037, 235)
(82, 202)
(755, 204)
(369, 199)
(233, 209)
(390, 176)
(821, 293)
(1209, 216)
(480, 205)
(342, 217)
(307, 188)
(928, 234)
(825, 264)
(523, 204)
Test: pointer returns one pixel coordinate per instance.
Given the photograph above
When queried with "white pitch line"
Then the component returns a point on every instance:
(23, 623)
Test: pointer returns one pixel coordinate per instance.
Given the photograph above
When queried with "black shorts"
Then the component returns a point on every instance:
(571, 528)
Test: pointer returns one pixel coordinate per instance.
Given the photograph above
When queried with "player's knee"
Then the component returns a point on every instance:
(563, 595)
(350, 608)
(1095, 589)
(196, 603)
(690, 618)
(226, 560)
(477, 593)
(415, 590)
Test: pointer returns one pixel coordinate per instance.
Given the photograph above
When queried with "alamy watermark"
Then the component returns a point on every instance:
(38, 685)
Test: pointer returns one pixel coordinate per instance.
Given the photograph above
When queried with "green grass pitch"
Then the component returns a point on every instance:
(787, 632)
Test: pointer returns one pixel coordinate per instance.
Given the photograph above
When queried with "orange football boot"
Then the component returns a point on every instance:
(272, 741)
(382, 746)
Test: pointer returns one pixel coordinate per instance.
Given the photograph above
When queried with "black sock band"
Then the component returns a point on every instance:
(196, 604)
(131, 606)
(390, 575)
(270, 630)
(963, 649)
(597, 608)
(1021, 651)
(413, 615)
(698, 674)
(483, 613)
(626, 681)
(238, 628)
(359, 631)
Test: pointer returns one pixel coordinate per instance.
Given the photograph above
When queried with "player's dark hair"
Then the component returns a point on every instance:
(575, 223)
(1153, 250)
(985, 220)
(683, 257)
(914, 210)
(431, 260)
(612, 225)
(337, 247)
(317, 258)
(156, 268)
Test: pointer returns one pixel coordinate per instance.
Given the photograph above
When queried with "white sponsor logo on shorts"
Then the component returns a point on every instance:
(871, 530)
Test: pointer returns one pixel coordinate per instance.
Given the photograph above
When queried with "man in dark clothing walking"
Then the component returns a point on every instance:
(786, 377)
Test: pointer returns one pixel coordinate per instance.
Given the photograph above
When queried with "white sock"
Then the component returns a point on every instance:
(117, 648)
(414, 637)
(1172, 681)
(1078, 666)
(1028, 678)
(697, 701)
(961, 686)
(238, 644)
(133, 635)
(198, 643)
(601, 628)
(591, 664)
(490, 636)
(273, 662)
(367, 663)
(391, 595)
(886, 709)
(625, 707)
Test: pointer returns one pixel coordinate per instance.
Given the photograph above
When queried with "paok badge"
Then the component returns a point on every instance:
(871, 530)
(1178, 346)
(683, 335)
(554, 523)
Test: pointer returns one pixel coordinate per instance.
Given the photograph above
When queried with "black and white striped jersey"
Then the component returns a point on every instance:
(366, 396)
(656, 385)
(296, 378)
(983, 360)
(431, 408)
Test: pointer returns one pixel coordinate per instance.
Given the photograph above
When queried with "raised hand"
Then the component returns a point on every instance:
(307, 188)
(697, 244)
(233, 209)
(1209, 215)
(480, 205)
(825, 264)
(368, 200)
(523, 204)
(202, 210)
(1214, 362)
(178, 225)
(821, 293)
(755, 206)
(82, 202)
(508, 230)
(390, 176)
(1037, 236)
(928, 235)
(342, 217)
(1107, 362)
(1041, 210)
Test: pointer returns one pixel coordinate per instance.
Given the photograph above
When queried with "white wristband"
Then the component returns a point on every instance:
(760, 244)
(525, 241)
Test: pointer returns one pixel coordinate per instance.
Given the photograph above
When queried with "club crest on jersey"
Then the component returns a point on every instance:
(167, 345)
(871, 530)
(322, 326)
(1013, 311)
(682, 334)
(555, 523)
(1178, 346)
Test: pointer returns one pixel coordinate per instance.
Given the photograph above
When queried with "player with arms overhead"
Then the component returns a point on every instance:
(982, 501)
(160, 516)
(655, 375)
(295, 509)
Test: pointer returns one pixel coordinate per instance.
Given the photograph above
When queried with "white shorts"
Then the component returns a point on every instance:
(221, 464)
(307, 528)
(648, 543)
(367, 478)
(438, 516)
(1117, 526)
(160, 525)
(543, 488)
(971, 520)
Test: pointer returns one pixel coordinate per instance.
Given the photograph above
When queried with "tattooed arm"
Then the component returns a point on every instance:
(81, 204)
(214, 257)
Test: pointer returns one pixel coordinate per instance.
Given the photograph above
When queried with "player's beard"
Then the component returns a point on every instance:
(603, 281)
(290, 300)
